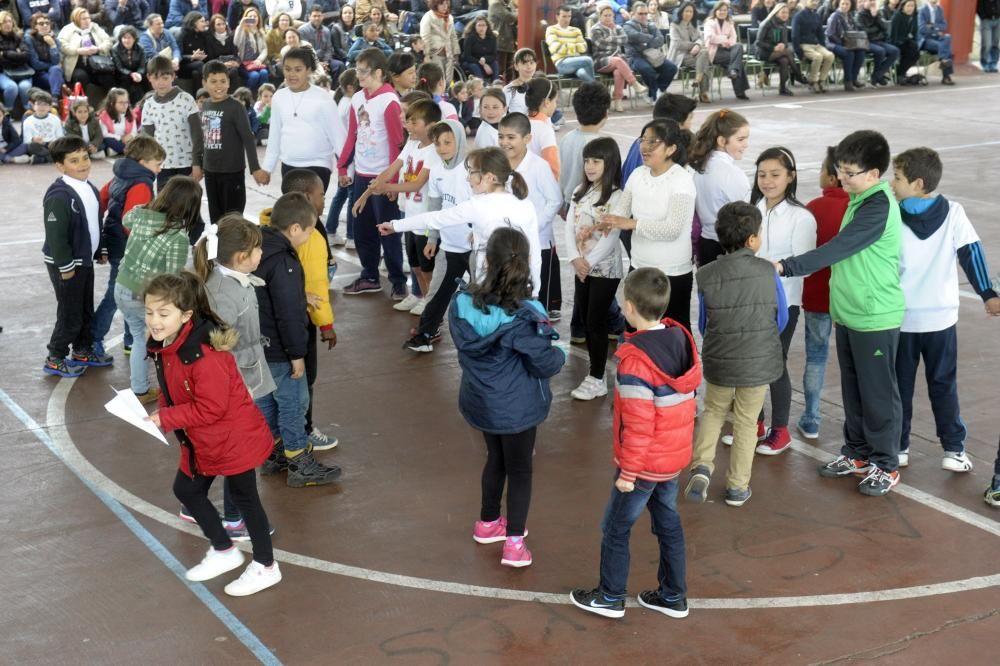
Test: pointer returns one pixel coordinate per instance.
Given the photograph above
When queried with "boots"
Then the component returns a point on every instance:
(638, 88)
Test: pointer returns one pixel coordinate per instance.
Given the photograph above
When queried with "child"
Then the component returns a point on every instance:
(525, 64)
(158, 242)
(417, 50)
(719, 144)
(244, 96)
(226, 137)
(201, 96)
(262, 108)
(374, 139)
(72, 216)
(678, 108)
(347, 86)
(595, 256)
(591, 102)
(542, 97)
(475, 89)
(206, 404)
(543, 192)
(936, 235)
(652, 444)
(132, 185)
(492, 109)
(492, 206)
(83, 123)
(448, 186)
(117, 122)
(828, 209)
(12, 148)
(430, 79)
(459, 98)
(741, 314)
(505, 349)
(788, 229)
(41, 128)
(171, 117)
(284, 327)
(369, 40)
(867, 304)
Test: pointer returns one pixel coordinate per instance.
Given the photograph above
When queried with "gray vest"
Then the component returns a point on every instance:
(742, 346)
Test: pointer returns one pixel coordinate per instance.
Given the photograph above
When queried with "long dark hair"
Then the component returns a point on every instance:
(493, 160)
(606, 150)
(508, 272)
(185, 290)
(671, 134)
(787, 160)
(723, 123)
(180, 202)
(537, 91)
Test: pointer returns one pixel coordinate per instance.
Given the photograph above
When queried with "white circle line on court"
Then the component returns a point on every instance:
(55, 418)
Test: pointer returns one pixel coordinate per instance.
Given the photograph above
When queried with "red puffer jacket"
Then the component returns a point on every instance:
(658, 372)
(212, 411)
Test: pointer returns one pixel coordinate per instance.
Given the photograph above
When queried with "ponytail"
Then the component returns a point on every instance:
(518, 186)
(723, 123)
(493, 161)
(508, 272)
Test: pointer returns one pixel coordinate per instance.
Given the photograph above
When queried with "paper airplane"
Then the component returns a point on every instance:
(126, 406)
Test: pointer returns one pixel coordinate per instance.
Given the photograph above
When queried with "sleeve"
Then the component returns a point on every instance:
(618, 205)
(632, 162)
(804, 232)
(209, 397)
(289, 310)
(463, 213)
(551, 155)
(27, 130)
(226, 308)
(678, 214)
(333, 126)
(569, 233)
(552, 195)
(394, 129)
(556, 46)
(313, 258)
(64, 41)
(638, 418)
(197, 141)
(797, 34)
(33, 59)
(174, 48)
(779, 292)
(273, 152)
(347, 154)
(541, 358)
(247, 137)
(56, 213)
(973, 263)
(866, 228)
(177, 252)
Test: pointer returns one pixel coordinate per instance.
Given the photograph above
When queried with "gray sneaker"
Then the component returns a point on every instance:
(305, 470)
(738, 496)
(697, 487)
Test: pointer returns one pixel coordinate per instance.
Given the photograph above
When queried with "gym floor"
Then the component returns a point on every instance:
(380, 568)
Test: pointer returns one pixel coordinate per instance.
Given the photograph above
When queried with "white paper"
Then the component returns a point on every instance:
(126, 406)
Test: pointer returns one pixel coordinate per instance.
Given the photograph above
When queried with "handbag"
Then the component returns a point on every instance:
(253, 65)
(100, 64)
(654, 57)
(19, 73)
(856, 40)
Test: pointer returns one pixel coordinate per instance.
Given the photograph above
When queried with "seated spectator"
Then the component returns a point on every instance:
(362, 9)
(660, 13)
(130, 64)
(934, 38)
(888, 10)
(759, 11)
(774, 45)
(904, 33)
(275, 38)
(687, 49)
(26, 9)
(117, 122)
(12, 148)
(251, 49)
(837, 26)
(79, 40)
(16, 73)
(387, 29)
(479, 50)
(437, 29)
(609, 41)
(159, 41)
(369, 40)
(318, 36)
(296, 9)
(342, 33)
(221, 48)
(179, 9)
(645, 51)
(885, 54)
(808, 36)
(194, 47)
(44, 55)
(82, 122)
(724, 49)
(236, 8)
(126, 12)
(568, 48)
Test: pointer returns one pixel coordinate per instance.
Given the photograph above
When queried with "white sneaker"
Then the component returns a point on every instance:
(21, 159)
(418, 309)
(338, 240)
(216, 563)
(349, 243)
(255, 578)
(904, 458)
(406, 304)
(590, 388)
(956, 461)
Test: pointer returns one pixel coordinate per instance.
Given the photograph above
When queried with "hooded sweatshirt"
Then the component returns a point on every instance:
(283, 319)
(132, 186)
(447, 187)
(936, 233)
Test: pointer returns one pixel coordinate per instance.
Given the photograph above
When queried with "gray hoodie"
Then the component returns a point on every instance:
(434, 203)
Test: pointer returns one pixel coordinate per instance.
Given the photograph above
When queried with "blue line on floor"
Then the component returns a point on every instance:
(240, 630)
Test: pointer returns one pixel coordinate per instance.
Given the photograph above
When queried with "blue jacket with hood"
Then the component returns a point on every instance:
(128, 174)
(507, 360)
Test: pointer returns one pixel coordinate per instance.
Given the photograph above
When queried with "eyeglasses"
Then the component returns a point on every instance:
(849, 174)
(43, 23)
(361, 71)
(649, 142)
(474, 172)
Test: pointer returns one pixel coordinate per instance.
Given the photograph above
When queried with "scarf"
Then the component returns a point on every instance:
(444, 16)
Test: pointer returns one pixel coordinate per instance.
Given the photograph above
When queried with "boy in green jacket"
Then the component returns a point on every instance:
(866, 303)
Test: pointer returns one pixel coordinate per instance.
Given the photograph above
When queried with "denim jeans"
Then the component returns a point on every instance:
(51, 80)
(105, 312)
(13, 89)
(818, 329)
(477, 70)
(582, 67)
(134, 311)
(369, 241)
(343, 195)
(285, 409)
(989, 42)
(656, 79)
(852, 60)
(885, 55)
(942, 49)
(620, 515)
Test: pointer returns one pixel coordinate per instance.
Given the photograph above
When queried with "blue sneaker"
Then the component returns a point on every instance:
(61, 368)
(90, 358)
(808, 431)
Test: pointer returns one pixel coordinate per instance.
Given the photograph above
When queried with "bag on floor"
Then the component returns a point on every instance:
(67, 102)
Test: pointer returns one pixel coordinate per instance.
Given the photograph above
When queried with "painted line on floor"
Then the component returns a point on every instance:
(61, 443)
(217, 608)
(32, 241)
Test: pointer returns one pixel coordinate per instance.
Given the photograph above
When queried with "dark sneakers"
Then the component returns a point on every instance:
(844, 466)
(304, 470)
(361, 286)
(276, 462)
(90, 358)
(595, 601)
(652, 600)
(878, 482)
(419, 343)
(60, 368)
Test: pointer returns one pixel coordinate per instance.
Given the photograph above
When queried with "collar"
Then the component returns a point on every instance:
(385, 88)
(245, 279)
(723, 155)
(76, 183)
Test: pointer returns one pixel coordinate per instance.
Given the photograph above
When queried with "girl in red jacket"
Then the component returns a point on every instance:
(222, 433)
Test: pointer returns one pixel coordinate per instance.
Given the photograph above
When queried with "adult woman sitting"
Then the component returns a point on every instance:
(159, 41)
(437, 30)
(774, 45)
(44, 56)
(15, 71)
(687, 49)
(342, 33)
(275, 37)
(80, 41)
(609, 39)
(251, 49)
(759, 11)
(903, 34)
(479, 50)
(130, 64)
(853, 59)
(221, 48)
(194, 47)
(294, 41)
(724, 49)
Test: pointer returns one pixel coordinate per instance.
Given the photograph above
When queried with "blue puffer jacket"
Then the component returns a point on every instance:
(507, 360)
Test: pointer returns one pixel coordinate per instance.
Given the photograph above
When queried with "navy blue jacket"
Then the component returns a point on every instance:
(284, 321)
(807, 28)
(67, 233)
(128, 173)
(506, 361)
(10, 133)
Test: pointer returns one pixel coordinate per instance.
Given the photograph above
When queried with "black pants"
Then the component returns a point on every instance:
(192, 70)
(312, 371)
(708, 251)
(781, 390)
(679, 307)
(593, 297)
(873, 413)
(508, 458)
(322, 172)
(226, 192)
(732, 60)
(550, 290)
(939, 349)
(74, 310)
(909, 55)
(193, 494)
(457, 265)
(85, 77)
(787, 67)
(166, 174)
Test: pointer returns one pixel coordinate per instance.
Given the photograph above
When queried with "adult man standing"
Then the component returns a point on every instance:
(568, 48)
(645, 51)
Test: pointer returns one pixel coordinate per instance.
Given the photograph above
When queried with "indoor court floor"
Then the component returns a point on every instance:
(380, 568)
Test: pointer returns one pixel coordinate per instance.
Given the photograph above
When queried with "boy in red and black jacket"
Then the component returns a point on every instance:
(654, 411)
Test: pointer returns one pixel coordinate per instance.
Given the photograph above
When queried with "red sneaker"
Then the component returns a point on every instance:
(777, 441)
(761, 434)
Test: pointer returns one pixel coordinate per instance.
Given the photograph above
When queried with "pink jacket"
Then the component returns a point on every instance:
(109, 127)
(716, 36)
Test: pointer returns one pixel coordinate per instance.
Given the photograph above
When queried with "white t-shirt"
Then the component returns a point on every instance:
(721, 183)
(49, 128)
(487, 136)
(542, 136)
(451, 186)
(415, 159)
(515, 99)
(92, 209)
(305, 129)
(787, 230)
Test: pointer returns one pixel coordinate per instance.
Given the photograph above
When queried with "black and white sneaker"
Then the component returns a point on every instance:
(594, 601)
(419, 343)
(652, 600)
(878, 482)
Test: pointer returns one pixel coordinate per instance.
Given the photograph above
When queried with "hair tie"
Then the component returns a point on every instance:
(423, 79)
(510, 178)
(211, 237)
(722, 114)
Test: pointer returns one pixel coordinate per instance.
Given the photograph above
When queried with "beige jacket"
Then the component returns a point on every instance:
(437, 35)
(69, 44)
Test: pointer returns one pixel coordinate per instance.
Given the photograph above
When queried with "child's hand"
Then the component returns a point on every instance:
(261, 177)
(359, 205)
(624, 486)
(386, 229)
(313, 300)
(197, 173)
(329, 337)
(430, 250)
(298, 368)
(581, 268)
(154, 418)
(993, 306)
(344, 181)
(37, 139)
(779, 268)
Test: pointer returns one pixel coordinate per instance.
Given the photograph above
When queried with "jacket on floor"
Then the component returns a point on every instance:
(507, 360)
(654, 405)
(209, 408)
(67, 231)
(283, 319)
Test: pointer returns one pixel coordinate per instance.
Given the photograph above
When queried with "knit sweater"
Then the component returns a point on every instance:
(564, 42)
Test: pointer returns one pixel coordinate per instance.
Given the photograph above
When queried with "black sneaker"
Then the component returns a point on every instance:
(594, 601)
(555, 315)
(697, 487)
(878, 482)
(435, 336)
(277, 462)
(305, 470)
(652, 600)
(419, 343)
(60, 368)
(90, 358)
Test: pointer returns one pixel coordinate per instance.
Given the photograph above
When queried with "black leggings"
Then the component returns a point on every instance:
(457, 264)
(787, 67)
(594, 296)
(312, 372)
(679, 307)
(781, 390)
(550, 290)
(508, 458)
(193, 494)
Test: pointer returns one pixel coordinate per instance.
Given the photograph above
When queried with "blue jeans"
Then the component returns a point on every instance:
(105, 312)
(582, 67)
(852, 59)
(989, 42)
(620, 515)
(134, 311)
(885, 55)
(11, 153)
(368, 240)
(343, 195)
(818, 329)
(51, 80)
(941, 47)
(255, 79)
(656, 79)
(285, 409)
(13, 89)
(476, 69)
